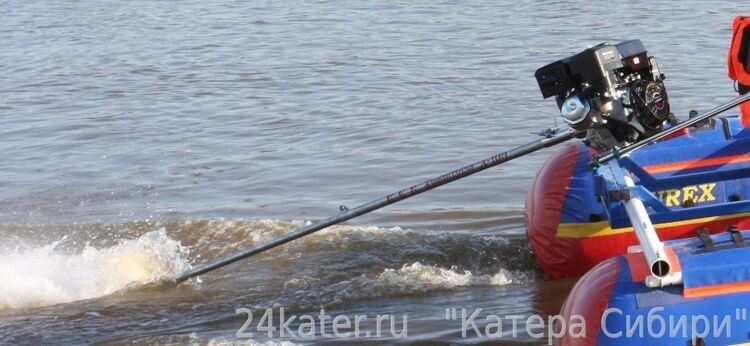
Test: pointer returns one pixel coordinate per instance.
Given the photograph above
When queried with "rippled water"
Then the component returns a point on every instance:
(140, 138)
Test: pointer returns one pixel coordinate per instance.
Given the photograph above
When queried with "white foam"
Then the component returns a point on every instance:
(268, 229)
(418, 277)
(225, 236)
(40, 276)
(414, 278)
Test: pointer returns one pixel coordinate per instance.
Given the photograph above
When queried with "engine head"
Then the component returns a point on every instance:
(614, 92)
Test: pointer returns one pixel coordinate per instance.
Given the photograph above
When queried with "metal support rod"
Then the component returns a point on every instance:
(690, 122)
(662, 273)
(381, 202)
(652, 247)
(660, 267)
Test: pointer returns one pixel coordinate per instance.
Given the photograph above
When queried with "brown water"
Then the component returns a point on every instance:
(140, 138)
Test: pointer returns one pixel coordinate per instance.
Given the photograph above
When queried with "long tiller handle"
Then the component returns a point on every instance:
(640, 144)
(382, 202)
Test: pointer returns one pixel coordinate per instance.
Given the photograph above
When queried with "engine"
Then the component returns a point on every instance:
(613, 92)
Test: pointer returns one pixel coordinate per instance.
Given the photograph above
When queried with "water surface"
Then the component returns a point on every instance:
(140, 138)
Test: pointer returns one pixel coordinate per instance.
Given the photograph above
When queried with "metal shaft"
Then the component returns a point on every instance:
(381, 202)
(713, 112)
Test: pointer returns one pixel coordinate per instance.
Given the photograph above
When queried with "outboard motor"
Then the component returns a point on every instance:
(614, 92)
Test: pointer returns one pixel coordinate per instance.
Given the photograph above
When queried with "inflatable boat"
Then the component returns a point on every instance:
(690, 291)
(652, 210)
(570, 230)
(709, 307)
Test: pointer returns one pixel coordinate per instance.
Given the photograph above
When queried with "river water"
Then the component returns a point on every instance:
(140, 138)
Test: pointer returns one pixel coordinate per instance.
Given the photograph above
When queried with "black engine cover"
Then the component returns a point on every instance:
(595, 66)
